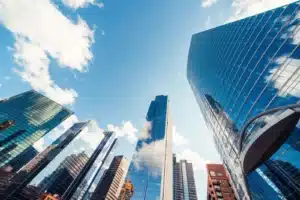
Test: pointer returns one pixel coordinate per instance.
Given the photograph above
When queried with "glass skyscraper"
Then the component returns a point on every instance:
(24, 119)
(239, 70)
(150, 171)
(91, 174)
(19, 180)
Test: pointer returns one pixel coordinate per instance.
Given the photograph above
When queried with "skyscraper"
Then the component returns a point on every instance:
(24, 176)
(218, 183)
(59, 181)
(236, 72)
(82, 187)
(112, 182)
(151, 168)
(184, 187)
(24, 119)
(64, 168)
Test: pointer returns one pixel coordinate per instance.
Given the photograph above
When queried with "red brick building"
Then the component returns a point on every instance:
(218, 185)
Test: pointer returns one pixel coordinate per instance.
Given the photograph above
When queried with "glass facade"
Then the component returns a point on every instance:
(25, 175)
(67, 166)
(91, 178)
(150, 171)
(239, 70)
(24, 119)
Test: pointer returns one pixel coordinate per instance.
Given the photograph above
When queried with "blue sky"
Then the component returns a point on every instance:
(107, 60)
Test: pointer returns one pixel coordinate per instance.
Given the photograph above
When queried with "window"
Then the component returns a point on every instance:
(217, 187)
(220, 174)
(6, 124)
(219, 194)
(212, 173)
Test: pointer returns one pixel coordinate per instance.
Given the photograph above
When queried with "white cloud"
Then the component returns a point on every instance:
(193, 157)
(42, 32)
(34, 69)
(150, 156)
(127, 130)
(40, 145)
(286, 77)
(92, 135)
(75, 4)
(0, 85)
(208, 3)
(246, 8)
(178, 139)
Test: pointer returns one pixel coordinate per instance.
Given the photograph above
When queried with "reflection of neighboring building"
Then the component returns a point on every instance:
(184, 187)
(24, 119)
(218, 186)
(285, 176)
(151, 168)
(111, 184)
(127, 191)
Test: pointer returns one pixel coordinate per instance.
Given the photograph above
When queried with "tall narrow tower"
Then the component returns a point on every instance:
(184, 187)
(151, 170)
(111, 184)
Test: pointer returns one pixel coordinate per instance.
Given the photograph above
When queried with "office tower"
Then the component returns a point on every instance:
(239, 70)
(218, 183)
(22, 159)
(24, 119)
(59, 181)
(25, 175)
(127, 191)
(151, 168)
(68, 164)
(81, 185)
(111, 185)
(184, 187)
(92, 173)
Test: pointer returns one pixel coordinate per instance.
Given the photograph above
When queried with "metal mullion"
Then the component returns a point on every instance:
(236, 60)
(262, 72)
(284, 64)
(230, 96)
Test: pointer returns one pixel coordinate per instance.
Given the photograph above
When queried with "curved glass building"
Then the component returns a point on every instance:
(238, 71)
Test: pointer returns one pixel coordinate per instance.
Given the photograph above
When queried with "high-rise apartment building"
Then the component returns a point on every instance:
(239, 70)
(151, 170)
(112, 182)
(218, 183)
(24, 119)
(184, 187)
